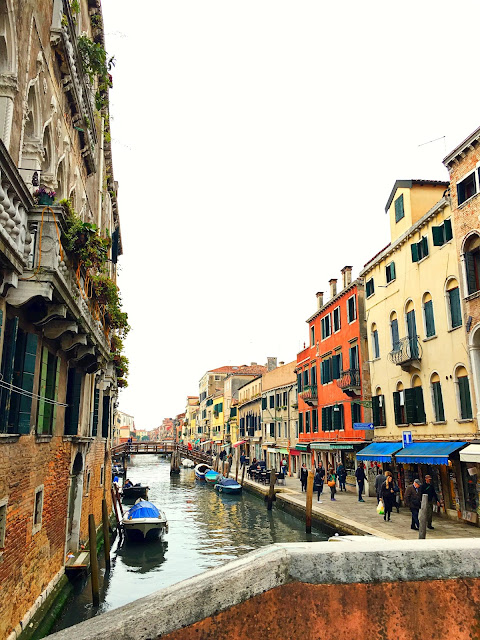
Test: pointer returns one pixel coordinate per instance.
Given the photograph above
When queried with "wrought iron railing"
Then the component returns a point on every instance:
(350, 378)
(405, 350)
(310, 392)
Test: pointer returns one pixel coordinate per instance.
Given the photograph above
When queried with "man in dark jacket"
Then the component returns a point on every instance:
(428, 488)
(361, 477)
(413, 500)
(304, 476)
(379, 480)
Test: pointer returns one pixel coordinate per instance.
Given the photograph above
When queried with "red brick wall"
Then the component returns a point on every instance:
(440, 609)
(92, 503)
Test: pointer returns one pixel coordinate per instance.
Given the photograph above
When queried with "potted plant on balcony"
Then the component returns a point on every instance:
(44, 196)
(122, 383)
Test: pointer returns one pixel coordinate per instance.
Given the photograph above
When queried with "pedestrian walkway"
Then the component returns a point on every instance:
(349, 515)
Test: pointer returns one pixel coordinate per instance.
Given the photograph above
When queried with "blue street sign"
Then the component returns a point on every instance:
(407, 438)
(363, 426)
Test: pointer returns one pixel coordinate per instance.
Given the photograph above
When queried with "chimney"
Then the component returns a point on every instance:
(347, 276)
(333, 287)
(281, 363)
(252, 364)
(271, 364)
(319, 299)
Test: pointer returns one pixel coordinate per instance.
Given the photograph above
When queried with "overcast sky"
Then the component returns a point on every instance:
(256, 144)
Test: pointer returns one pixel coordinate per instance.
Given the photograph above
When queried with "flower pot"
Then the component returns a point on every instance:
(45, 199)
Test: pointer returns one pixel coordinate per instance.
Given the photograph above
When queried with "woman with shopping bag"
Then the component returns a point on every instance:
(332, 483)
(388, 495)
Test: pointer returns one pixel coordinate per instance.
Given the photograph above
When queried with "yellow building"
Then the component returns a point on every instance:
(189, 424)
(217, 432)
(419, 365)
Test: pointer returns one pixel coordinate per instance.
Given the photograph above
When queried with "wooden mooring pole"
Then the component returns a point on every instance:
(106, 534)
(308, 506)
(271, 490)
(243, 474)
(92, 542)
(422, 530)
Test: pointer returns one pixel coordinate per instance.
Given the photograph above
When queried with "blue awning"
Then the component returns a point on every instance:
(379, 451)
(428, 452)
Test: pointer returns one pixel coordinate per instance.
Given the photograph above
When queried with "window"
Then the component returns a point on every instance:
(471, 255)
(102, 475)
(3, 522)
(375, 343)
(277, 400)
(356, 411)
(314, 421)
(300, 422)
(399, 210)
(414, 406)
(338, 420)
(264, 404)
(331, 369)
(428, 315)
(394, 332)
(285, 430)
(353, 358)
(437, 399)
(327, 418)
(332, 418)
(378, 409)
(72, 411)
(271, 401)
(305, 378)
(442, 233)
(37, 509)
(312, 336)
(351, 309)
(285, 397)
(454, 309)
(370, 287)
(399, 405)
(467, 188)
(419, 249)
(336, 319)
(390, 272)
(464, 398)
(307, 422)
(296, 429)
(272, 429)
(326, 326)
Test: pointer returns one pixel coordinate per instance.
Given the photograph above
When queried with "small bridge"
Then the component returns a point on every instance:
(138, 448)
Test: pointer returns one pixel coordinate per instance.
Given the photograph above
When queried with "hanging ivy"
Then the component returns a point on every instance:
(96, 64)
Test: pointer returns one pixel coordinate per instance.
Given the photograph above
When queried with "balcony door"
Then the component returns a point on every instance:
(412, 334)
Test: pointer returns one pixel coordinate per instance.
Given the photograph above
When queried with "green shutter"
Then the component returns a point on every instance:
(465, 401)
(264, 401)
(392, 271)
(399, 211)
(396, 407)
(455, 310)
(41, 428)
(438, 236)
(429, 319)
(448, 229)
(8, 357)
(470, 271)
(55, 397)
(395, 336)
(25, 405)
(414, 248)
(419, 406)
(300, 423)
(424, 242)
(96, 400)
(72, 412)
(336, 367)
(376, 411)
(438, 399)
(410, 406)
(106, 416)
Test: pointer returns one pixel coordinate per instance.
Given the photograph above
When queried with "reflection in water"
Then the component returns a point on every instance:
(205, 530)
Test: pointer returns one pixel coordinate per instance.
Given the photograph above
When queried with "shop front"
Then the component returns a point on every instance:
(294, 463)
(378, 458)
(306, 456)
(332, 454)
(470, 470)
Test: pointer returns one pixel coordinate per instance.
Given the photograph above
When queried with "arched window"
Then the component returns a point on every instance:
(428, 317)
(8, 67)
(399, 405)
(411, 329)
(375, 343)
(437, 398)
(47, 151)
(394, 331)
(463, 393)
(414, 406)
(454, 311)
(61, 187)
(378, 409)
(471, 257)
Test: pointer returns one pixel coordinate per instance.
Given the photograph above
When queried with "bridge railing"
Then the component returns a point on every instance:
(143, 447)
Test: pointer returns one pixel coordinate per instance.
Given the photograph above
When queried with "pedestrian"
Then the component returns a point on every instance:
(284, 466)
(428, 488)
(396, 488)
(342, 477)
(361, 477)
(318, 481)
(332, 483)
(242, 460)
(304, 477)
(229, 460)
(413, 500)
(387, 493)
(379, 480)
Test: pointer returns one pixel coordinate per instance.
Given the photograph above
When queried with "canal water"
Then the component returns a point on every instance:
(206, 529)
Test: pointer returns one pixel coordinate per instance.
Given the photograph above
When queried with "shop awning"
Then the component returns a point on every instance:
(270, 450)
(284, 451)
(331, 446)
(379, 451)
(428, 452)
(470, 453)
(301, 447)
(206, 442)
(237, 444)
(294, 452)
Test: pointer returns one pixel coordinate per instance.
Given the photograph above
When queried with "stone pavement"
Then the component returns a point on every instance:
(347, 513)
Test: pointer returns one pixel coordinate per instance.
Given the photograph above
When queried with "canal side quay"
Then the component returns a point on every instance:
(346, 515)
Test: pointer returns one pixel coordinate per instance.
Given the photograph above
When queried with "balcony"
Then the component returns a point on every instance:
(349, 382)
(310, 395)
(407, 353)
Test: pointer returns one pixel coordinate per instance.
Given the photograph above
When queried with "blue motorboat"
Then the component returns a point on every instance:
(200, 470)
(144, 522)
(213, 476)
(228, 485)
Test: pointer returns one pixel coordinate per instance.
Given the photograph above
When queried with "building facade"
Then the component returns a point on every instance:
(249, 418)
(59, 337)
(420, 372)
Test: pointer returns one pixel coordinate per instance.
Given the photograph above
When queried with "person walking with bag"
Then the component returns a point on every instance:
(388, 495)
(361, 477)
(318, 482)
(332, 483)
(304, 477)
(413, 500)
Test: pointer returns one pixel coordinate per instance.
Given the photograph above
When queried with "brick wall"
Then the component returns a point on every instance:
(92, 502)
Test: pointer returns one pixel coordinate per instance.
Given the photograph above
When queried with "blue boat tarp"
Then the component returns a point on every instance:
(143, 509)
(228, 482)
(428, 452)
(379, 451)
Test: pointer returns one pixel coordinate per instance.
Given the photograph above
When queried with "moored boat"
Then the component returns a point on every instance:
(212, 476)
(228, 485)
(186, 462)
(200, 470)
(133, 493)
(144, 521)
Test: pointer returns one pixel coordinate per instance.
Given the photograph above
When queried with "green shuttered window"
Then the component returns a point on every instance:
(399, 210)
(438, 402)
(414, 407)
(442, 234)
(72, 412)
(419, 249)
(465, 400)
(455, 309)
(429, 318)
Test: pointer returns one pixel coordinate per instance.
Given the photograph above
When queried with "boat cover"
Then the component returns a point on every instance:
(143, 509)
(211, 473)
(228, 482)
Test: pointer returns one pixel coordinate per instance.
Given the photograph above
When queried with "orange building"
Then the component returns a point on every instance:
(333, 380)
